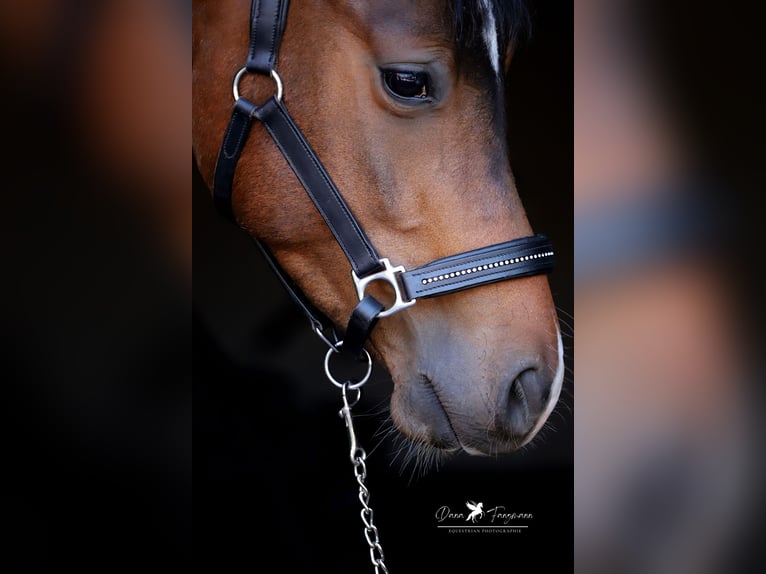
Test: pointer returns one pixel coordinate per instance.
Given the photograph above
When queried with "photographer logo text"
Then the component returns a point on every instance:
(479, 518)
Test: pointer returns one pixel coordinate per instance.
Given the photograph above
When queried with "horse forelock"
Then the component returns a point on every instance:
(473, 21)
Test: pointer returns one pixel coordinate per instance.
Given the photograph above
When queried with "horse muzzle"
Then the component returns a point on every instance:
(485, 403)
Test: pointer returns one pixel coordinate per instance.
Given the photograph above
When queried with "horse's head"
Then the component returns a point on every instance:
(404, 104)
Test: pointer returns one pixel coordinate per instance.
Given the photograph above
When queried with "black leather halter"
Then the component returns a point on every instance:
(517, 258)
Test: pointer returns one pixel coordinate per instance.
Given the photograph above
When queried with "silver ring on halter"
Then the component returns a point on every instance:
(346, 384)
(243, 71)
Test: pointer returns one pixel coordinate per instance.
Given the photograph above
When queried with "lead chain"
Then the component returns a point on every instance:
(358, 458)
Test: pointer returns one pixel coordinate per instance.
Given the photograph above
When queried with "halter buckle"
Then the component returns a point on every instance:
(389, 274)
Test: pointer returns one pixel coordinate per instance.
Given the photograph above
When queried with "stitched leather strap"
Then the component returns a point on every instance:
(306, 166)
(509, 260)
(267, 25)
(320, 188)
(234, 141)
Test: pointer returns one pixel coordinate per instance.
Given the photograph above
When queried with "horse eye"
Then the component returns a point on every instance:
(408, 85)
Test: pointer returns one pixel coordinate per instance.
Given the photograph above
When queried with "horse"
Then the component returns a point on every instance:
(404, 103)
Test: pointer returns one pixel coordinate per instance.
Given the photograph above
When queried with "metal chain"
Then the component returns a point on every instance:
(358, 457)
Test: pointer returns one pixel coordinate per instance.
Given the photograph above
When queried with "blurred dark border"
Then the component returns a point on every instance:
(95, 332)
(708, 57)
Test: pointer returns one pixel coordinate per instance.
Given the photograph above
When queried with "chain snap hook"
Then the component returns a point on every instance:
(345, 413)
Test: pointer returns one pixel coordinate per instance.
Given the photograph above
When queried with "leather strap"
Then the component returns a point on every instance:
(320, 188)
(307, 168)
(267, 25)
(319, 322)
(360, 325)
(509, 260)
(234, 141)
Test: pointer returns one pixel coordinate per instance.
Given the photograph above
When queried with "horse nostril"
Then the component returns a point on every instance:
(526, 399)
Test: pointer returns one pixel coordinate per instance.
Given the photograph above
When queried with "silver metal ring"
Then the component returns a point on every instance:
(334, 381)
(243, 71)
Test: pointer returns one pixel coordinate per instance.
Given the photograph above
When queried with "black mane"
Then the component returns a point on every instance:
(511, 16)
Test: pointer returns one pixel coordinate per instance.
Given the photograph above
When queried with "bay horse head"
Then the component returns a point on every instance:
(404, 103)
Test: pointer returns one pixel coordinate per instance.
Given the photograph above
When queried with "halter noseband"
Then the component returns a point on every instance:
(517, 258)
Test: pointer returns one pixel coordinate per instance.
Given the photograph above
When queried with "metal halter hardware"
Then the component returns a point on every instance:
(343, 384)
(390, 275)
(244, 70)
(520, 257)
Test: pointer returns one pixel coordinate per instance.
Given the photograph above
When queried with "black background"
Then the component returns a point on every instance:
(272, 473)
